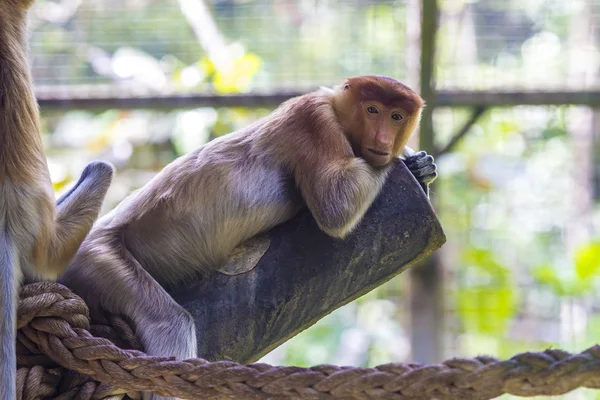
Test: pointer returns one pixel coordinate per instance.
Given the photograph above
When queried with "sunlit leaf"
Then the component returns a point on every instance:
(506, 128)
(238, 78)
(60, 184)
(486, 309)
(207, 66)
(485, 261)
(587, 260)
(546, 275)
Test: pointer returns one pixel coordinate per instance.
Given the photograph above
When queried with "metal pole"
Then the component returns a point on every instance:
(426, 316)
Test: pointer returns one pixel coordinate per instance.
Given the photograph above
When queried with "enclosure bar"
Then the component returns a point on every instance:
(448, 98)
(425, 293)
(78, 100)
(460, 134)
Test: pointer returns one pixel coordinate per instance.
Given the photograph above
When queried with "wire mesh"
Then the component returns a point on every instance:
(516, 197)
(528, 45)
(146, 46)
(166, 47)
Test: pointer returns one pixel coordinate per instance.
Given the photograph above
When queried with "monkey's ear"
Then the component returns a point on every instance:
(245, 257)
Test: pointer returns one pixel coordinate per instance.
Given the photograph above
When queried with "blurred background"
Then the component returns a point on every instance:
(511, 88)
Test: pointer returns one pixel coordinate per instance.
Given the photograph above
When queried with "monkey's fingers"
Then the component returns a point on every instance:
(421, 164)
(423, 167)
(425, 175)
(423, 170)
(419, 159)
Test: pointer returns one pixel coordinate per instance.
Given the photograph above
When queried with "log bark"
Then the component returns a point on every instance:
(305, 274)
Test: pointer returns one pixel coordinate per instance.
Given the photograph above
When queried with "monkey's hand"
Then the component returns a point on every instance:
(422, 166)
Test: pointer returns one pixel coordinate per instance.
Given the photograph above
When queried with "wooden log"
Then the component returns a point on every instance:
(305, 274)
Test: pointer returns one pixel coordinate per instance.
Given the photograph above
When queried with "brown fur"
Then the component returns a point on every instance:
(35, 240)
(193, 215)
(387, 91)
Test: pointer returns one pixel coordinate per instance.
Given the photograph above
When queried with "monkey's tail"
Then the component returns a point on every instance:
(9, 279)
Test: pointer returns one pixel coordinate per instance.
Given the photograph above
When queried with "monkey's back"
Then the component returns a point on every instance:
(190, 217)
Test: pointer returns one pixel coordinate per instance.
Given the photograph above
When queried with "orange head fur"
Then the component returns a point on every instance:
(379, 114)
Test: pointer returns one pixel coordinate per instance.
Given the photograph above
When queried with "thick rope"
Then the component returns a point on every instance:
(59, 358)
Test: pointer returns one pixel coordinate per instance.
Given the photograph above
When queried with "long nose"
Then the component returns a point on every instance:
(384, 139)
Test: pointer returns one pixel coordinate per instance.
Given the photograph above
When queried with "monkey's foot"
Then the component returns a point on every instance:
(170, 334)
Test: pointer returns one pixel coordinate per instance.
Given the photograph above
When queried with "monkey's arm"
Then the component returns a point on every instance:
(76, 212)
(338, 191)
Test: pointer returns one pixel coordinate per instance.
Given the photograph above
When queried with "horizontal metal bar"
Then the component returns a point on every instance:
(63, 99)
(446, 98)
(163, 102)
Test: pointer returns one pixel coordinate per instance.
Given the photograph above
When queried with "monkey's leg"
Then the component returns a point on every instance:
(246, 255)
(163, 326)
(422, 166)
(107, 276)
(76, 212)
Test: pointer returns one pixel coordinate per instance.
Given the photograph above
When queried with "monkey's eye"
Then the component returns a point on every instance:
(346, 86)
(397, 117)
(372, 110)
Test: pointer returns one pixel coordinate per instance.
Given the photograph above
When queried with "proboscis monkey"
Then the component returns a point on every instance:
(329, 150)
(37, 238)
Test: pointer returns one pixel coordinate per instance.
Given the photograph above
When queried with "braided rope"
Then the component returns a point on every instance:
(59, 358)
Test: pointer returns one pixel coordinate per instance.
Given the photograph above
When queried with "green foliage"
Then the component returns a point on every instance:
(238, 78)
(579, 276)
(316, 345)
(488, 300)
(546, 275)
(587, 261)
(486, 309)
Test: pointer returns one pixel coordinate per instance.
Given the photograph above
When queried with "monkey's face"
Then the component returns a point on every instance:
(379, 114)
(383, 128)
